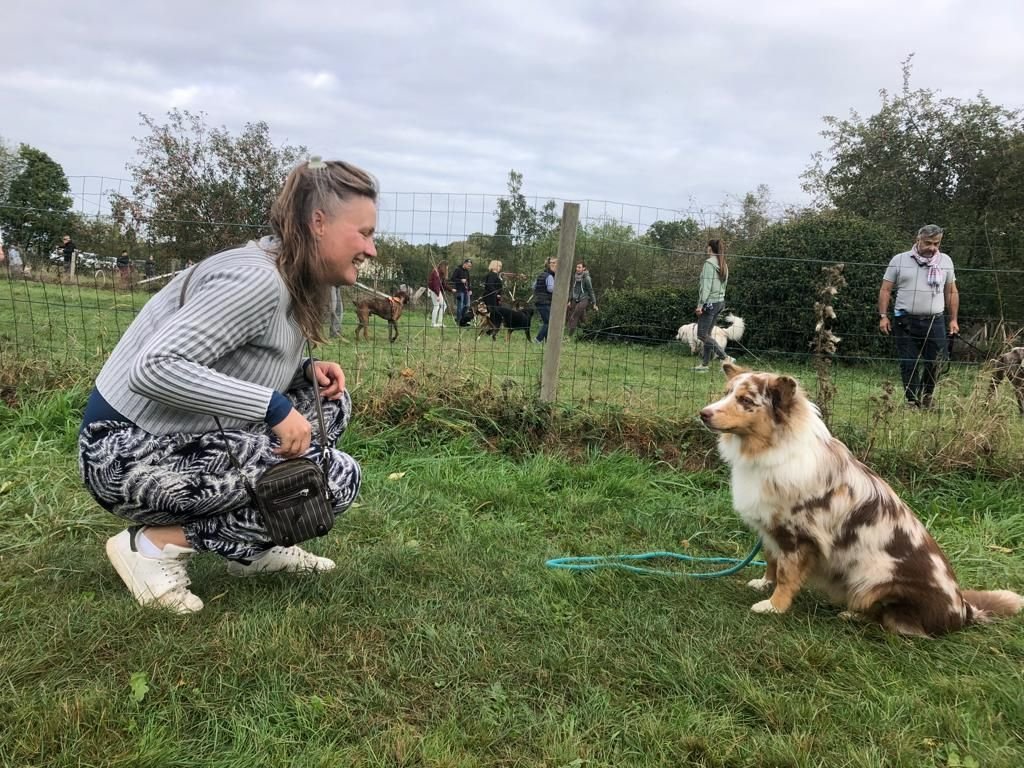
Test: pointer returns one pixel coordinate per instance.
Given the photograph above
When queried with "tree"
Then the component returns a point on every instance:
(37, 211)
(921, 159)
(202, 189)
(753, 218)
(517, 223)
(682, 235)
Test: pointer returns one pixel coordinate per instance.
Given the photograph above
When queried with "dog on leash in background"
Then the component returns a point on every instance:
(512, 319)
(389, 309)
(733, 331)
(1009, 366)
(828, 521)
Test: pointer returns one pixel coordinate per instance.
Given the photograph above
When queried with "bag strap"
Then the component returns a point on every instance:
(316, 400)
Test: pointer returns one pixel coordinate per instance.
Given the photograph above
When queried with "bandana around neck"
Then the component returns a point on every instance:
(932, 262)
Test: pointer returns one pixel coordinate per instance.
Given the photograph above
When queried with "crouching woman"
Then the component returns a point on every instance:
(223, 342)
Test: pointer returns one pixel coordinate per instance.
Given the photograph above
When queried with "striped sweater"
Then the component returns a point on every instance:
(224, 352)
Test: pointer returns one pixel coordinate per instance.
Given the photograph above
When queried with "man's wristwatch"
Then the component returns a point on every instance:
(883, 314)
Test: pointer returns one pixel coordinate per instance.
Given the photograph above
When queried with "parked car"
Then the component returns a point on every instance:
(86, 260)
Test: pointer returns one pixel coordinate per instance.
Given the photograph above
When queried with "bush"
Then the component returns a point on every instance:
(773, 286)
(649, 316)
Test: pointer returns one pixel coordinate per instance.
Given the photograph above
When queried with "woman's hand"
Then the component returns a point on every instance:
(330, 377)
(700, 311)
(295, 434)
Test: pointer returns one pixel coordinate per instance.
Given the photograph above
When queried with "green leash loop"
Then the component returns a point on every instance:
(593, 562)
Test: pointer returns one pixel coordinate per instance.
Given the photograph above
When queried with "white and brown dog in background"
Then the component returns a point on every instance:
(733, 331)
(828, 521)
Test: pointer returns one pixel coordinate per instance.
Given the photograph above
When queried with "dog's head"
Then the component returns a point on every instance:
(481, 310)
(756, 405)
(402, 296)
(524, 307)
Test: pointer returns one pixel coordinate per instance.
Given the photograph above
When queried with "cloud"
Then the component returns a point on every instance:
(667, 103)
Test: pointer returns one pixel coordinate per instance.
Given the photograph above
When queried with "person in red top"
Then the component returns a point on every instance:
(437, 286)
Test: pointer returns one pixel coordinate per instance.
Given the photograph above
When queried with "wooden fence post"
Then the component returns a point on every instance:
(556, 323)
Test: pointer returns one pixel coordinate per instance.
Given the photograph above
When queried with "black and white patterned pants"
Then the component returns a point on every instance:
(187, 479)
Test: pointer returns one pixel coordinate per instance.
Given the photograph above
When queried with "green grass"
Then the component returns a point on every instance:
(76, 325)
(442, 640)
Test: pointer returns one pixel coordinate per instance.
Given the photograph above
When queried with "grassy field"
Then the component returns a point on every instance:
(443, 640)
(76, 325)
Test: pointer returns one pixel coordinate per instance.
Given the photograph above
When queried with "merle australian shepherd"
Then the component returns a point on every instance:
(828, 521)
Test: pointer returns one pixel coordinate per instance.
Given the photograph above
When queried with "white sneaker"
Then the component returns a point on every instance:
(161, 582)
(728, 359)
(700, 368)
(281, 560)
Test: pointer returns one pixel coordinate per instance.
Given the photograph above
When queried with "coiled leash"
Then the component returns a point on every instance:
(593, 562)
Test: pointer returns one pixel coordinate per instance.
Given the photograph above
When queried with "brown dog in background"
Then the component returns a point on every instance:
(1010, 366)
(389, 309)
(828, 521)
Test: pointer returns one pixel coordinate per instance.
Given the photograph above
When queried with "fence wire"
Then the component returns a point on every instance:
(626, 355)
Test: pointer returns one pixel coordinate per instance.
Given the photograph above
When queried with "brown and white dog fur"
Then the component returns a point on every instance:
(389, 309)
(1010, 366)
(828, 521)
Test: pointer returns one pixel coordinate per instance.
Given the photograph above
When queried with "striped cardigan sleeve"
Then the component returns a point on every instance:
(223, 311)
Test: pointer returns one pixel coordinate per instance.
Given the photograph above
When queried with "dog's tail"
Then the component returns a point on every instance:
(735, 328)
(994, 602)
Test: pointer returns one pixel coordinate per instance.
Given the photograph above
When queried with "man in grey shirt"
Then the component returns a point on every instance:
(925, 286)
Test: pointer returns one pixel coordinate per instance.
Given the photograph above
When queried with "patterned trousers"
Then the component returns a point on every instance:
(187, 479)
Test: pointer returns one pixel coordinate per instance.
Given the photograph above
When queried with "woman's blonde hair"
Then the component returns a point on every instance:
(312, 186)
(495, 264)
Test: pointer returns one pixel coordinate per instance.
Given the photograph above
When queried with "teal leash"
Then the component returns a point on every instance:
(593, 562)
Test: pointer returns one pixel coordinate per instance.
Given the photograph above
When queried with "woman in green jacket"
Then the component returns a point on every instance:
(714, 276)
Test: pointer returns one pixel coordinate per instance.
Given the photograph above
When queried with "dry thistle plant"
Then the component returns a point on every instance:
(825, 343)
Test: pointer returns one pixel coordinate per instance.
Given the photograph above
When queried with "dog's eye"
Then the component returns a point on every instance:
(746, 402)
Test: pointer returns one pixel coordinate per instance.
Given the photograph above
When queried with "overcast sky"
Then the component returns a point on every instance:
(673, 105)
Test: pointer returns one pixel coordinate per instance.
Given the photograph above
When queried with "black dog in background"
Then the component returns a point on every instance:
(512, 319)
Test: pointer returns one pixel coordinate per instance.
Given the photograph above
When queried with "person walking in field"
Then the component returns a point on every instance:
(714, 276)
(224, 341)
(437, 287)
(581, 297)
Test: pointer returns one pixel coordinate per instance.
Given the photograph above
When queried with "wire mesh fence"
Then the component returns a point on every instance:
(631, 351)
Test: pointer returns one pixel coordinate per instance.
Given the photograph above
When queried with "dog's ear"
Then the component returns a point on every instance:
(782, 393)
(732, 370)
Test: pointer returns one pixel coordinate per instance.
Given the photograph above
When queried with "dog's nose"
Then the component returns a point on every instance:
(705, 415)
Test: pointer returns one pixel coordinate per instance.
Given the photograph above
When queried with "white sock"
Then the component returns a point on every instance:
(147, 548)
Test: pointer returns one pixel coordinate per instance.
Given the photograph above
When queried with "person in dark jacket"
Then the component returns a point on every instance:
(493, 285)
(543, 288)
(463, 289)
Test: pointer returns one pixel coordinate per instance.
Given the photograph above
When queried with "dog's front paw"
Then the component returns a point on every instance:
(852, 616)
(760, 584)
(765, 606)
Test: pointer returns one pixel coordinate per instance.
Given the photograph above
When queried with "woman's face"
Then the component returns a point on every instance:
(345, 239)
